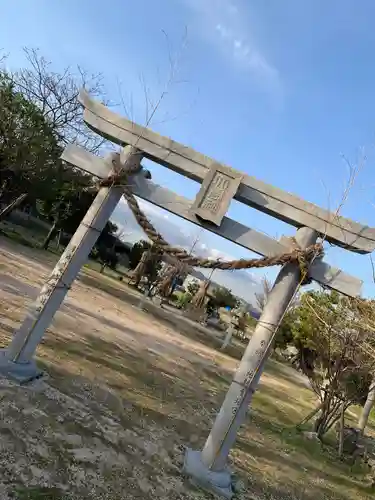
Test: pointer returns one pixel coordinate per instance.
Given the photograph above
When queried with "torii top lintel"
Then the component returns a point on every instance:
(280, 204)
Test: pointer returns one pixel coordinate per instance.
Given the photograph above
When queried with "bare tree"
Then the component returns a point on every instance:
(262, 296)
(56, 94)
(3, 57)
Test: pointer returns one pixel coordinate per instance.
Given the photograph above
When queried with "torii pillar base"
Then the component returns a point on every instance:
(219, 483)
(22, 373)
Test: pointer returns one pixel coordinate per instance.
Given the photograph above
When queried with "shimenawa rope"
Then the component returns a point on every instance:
(296, 255)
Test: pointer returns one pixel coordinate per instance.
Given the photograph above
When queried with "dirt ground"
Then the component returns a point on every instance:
(125, 393)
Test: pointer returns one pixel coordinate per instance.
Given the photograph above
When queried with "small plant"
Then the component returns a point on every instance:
(183, 300)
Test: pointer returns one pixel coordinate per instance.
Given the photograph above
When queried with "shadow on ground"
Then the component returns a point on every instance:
(172, 398)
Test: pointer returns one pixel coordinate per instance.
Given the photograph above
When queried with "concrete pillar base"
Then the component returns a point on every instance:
(23, 373)
(217, 482)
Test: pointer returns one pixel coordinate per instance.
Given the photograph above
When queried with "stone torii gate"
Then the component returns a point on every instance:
(219, 185)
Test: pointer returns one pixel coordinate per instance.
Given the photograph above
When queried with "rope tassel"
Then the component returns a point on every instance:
(140, 269)
(199, 298)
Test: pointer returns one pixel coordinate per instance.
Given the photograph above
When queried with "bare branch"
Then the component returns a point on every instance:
(56, 94)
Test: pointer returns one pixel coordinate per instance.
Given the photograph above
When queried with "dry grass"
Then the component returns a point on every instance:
(125, 393)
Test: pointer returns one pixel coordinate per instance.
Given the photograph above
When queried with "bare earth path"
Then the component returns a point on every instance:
(125, 393)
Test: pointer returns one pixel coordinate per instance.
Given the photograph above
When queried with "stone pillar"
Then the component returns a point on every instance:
(209, 467)
(17, 360)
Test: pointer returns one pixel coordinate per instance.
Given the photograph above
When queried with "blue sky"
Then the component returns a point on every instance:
(280, 90)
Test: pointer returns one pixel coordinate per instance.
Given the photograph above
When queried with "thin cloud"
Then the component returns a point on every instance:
(245, 53)
(228, 28)
(243, 283)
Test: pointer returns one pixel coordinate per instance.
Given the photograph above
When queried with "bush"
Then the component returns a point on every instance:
(183, 300)
(174, 297)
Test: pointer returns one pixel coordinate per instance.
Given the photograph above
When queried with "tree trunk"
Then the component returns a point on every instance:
(342, 425)
(329, 415)
(310, 416)
(3, 189)
(58, 240)
(50, 236)
(320, 422)
(14, 204)
(362, 423)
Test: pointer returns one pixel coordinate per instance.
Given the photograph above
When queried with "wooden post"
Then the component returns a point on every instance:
(17, 361)
(228, 337)
(342, 429)
(209, 466)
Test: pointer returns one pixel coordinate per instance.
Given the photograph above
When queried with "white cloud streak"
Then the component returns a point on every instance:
(229, 30)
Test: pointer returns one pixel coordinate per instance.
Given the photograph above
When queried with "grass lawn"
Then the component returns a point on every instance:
(126, 392)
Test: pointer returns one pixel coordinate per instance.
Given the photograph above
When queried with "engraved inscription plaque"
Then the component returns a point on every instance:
(217, 190)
